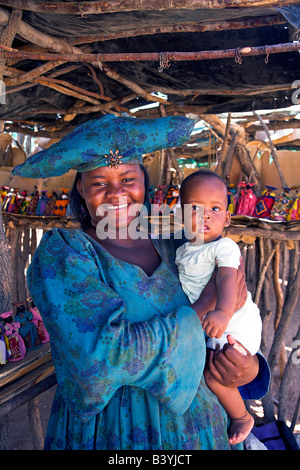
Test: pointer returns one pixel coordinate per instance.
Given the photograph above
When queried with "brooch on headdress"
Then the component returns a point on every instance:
(113, 159)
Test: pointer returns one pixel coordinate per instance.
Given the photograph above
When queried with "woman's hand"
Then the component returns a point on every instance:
(230, 367)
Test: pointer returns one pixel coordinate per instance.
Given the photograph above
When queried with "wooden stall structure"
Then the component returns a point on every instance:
(63, 63)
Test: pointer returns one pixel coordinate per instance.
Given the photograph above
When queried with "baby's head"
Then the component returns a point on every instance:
(204, 202)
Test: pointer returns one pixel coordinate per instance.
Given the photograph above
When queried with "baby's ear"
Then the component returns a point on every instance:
(228, 219)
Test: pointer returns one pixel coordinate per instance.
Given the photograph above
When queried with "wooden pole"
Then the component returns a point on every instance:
(115, 6)
(273, 152)
(152, 56)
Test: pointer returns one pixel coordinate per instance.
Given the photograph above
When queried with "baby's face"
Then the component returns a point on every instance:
(204, 206)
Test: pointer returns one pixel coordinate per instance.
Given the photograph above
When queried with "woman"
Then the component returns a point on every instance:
(128, 348)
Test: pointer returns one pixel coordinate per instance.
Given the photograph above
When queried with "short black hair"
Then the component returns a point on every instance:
(199, 174)
(78, 206)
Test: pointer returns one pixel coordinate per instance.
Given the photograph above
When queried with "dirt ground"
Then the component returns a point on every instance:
(19, 430)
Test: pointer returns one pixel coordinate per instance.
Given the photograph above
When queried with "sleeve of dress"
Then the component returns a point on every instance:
(95, 349)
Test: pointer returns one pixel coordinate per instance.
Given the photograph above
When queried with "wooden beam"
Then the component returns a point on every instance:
(195, 27)
(115, 6)
(153, 56)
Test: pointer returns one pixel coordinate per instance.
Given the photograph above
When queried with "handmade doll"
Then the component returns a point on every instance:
(49, 209)
(265, 203)
(10, 201)
(247, 200)
(28, 330)
(232, 199)
(34, 199)
(5, 352)
(42, 203)
(38, 322)
(16, 342)
(282, 205)
(172, 196)
(158, 199)
(61, 203)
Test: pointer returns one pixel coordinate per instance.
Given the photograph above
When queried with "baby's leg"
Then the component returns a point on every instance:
(241, 421)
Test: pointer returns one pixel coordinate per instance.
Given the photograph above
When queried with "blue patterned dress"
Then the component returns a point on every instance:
(128, 351)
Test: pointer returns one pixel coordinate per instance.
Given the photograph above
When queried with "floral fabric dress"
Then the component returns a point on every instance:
(128, 351)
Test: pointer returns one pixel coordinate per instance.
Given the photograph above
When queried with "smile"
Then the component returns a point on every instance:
(121, 206)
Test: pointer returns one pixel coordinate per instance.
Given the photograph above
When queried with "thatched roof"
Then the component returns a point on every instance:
(66, 62)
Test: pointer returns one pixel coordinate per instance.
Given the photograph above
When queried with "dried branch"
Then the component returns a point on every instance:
(273, 152)
(180, 28)
(115, 6)
(153, 56)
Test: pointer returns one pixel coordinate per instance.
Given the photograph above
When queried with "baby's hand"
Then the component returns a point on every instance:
(215, 322)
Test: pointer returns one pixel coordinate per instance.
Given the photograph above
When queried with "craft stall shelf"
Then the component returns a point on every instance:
(23, 381)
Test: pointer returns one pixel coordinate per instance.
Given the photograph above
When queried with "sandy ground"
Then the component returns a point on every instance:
(19, 430)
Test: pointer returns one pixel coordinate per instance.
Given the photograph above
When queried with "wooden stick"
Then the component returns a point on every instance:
(153, 56)
(114, 6)
(273, 152)
(180, 28)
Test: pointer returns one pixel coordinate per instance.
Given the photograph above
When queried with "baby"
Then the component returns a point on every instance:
(204, 204)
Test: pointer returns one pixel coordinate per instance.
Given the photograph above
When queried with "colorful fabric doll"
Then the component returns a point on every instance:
(34, 199)
(282, 205)
(158, 199)
(265, 203)
(16, 342)
(247, 200)
(4, 192)
(10, 201)
(172, 196)
(49, 209)
(61, 204)
(294, 213)
(5, 352)
(232, 199)
(37, 320)
(41, 206)
(28, 330)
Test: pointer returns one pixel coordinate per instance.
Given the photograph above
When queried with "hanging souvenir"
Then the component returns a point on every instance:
(265, 203)
(5, 352)
(232, 199)
(27, 330)
(61, 203)
(38, 321)
(247, 200)
(41, 206)
(282, 205)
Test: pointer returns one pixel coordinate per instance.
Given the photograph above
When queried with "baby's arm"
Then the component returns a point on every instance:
(215, 321)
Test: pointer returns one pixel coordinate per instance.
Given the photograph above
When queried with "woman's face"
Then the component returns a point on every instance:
(112, 193)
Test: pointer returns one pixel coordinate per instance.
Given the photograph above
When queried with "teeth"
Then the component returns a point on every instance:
(117, 207)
